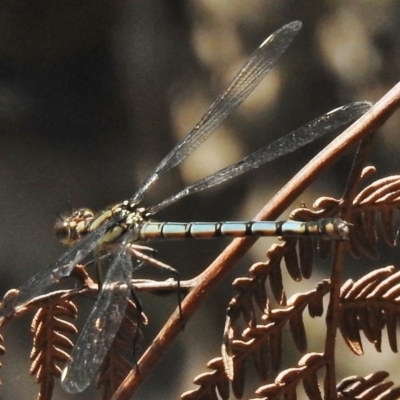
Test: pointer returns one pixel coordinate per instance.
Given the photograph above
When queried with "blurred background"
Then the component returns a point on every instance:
(93, 94)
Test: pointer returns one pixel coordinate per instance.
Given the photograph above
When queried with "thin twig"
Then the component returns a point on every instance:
(92, 289)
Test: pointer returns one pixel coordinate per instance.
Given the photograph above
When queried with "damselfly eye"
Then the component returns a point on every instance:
(70, 229)
(64, 232)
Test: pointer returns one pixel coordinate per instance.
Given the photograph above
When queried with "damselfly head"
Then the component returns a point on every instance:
(72, 228)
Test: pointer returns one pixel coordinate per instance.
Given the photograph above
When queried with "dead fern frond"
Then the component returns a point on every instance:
(253, 290)
(286, 383)
(373, 386)
(263, 343)
(369, 305)
(379, 201)
(50, 343)
(211, 384)
(270, 333)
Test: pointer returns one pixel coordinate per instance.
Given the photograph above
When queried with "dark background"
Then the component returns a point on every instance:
(93, 94)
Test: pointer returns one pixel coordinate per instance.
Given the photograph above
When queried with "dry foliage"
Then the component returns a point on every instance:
(260, 312)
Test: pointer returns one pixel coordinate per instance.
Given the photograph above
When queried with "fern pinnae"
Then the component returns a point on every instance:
(292, 262)
(306, 256)
(50, 343)
(116, 366)
(389, 220)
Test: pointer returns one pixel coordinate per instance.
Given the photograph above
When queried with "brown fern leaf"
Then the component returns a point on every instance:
(6, 309)
(263, 343)
(373, 386)
(379, 201)
(267, 338)
(286, 383)
(213, 385)
(369, 305)
(252, 289)
(364, 236)
(116, 366)
(50, 343)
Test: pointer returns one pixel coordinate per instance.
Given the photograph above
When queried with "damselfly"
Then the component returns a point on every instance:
(128, 222)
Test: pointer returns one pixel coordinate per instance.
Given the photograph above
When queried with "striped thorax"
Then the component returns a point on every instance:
(83, 221)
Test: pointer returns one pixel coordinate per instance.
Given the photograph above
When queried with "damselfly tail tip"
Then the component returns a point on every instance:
(340, 229)
(329, 229)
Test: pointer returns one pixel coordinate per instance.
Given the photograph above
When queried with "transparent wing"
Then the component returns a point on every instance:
(63, 267)
(262, 60)
(319, 127)
(101, 327)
